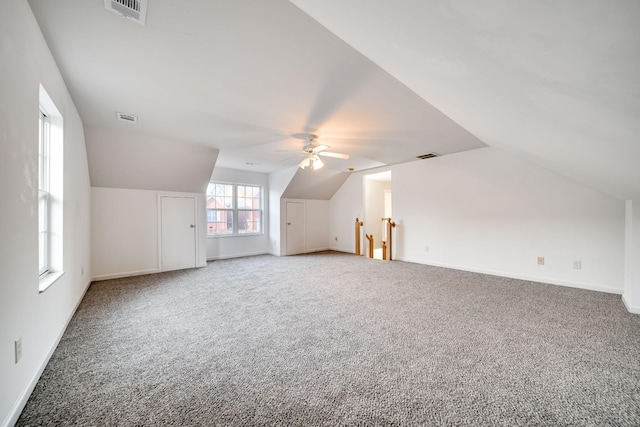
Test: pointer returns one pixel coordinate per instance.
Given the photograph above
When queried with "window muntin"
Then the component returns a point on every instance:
(233, 209)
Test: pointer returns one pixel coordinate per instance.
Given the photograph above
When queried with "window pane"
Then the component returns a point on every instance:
(220, 196)
(219, 222)
(43, 153)
(249, 197)
(242, 203)
(249, 222)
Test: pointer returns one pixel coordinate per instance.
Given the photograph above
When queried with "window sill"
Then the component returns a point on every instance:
(49, 279)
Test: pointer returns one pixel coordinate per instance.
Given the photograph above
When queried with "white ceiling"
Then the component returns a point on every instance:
(556, 82)
(235, 76)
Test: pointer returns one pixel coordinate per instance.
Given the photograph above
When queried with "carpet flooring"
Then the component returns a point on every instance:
(333, 339)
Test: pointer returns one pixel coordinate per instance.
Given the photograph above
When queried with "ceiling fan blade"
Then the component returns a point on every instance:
(319, 148)
(335, 155)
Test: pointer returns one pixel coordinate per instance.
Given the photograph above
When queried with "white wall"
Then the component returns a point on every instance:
(374, 210)
(278, 182)
(631, 295)
(316, 224)
(124, 231)
(344, 207)
(488, 211)
(238, 246)
(38, 318)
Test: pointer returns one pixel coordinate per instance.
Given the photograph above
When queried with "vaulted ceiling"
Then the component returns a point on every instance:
(231, 81)
(555, 81)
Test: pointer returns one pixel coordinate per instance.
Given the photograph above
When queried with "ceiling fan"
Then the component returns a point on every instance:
(313, 152)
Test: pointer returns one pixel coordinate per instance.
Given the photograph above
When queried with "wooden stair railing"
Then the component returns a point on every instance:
(358, 225)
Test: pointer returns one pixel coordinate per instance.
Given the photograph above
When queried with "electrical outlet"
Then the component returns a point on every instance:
(577, 265)
(18, 349)
(540, 260)
(426, 248)
(336, 238)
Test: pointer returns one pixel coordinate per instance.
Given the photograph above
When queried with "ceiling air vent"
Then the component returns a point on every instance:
(135, 10)
(427, 156)
(129, 118)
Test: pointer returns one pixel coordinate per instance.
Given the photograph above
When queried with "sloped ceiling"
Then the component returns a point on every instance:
(238, 77)
(315, 184)
(126, 159)
(557, 82)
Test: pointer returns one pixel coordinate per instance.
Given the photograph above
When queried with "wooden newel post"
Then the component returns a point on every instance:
(390, 226)
(384, 250)
(358, 225)
(370, 239)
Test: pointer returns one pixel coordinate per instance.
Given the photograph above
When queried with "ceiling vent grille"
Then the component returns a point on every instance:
(427, 156)
(136, 10)
(129, 118)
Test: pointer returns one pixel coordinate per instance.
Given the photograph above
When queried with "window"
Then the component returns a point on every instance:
(50, 192)
(234, 209)
(43, 194)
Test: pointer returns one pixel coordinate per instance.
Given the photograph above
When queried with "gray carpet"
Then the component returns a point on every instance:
(334, 339)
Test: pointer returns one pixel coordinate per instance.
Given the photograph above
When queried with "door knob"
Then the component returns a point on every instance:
(288, 223)
(192, 226)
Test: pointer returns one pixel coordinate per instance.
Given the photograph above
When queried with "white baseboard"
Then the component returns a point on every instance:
(125, 274)
(12, 419)
(312, 250)
(240, 255)
(585, 286)
(342, 249)
(630, 308)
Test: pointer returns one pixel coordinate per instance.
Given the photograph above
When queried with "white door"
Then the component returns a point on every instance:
(178, 232)
(295, 228)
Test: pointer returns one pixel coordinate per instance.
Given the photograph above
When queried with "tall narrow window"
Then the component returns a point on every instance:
(50, 192)
(43, 193)
(234, 209)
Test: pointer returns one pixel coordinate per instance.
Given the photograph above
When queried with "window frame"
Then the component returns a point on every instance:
(234, 210)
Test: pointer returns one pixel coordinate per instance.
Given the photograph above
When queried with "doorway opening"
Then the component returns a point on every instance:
(377, 205)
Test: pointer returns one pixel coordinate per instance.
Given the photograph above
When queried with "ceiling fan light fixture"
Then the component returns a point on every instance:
(305, 162)
(313, 152)
(312, 161)
(317, 163)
